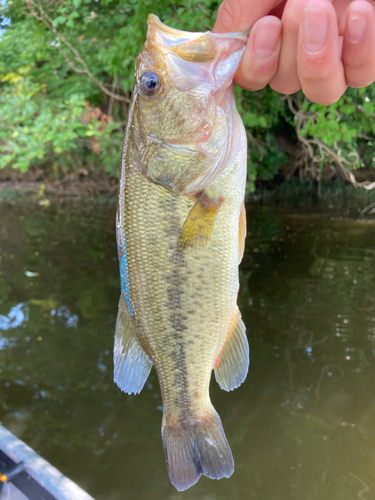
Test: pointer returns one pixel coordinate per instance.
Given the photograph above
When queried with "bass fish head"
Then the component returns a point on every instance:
(184, 103)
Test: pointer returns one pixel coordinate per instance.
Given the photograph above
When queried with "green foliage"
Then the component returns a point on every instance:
(35, 127)
(60, 61)
(341, 134)
(263, 115)
(337, 122)
(46, 94)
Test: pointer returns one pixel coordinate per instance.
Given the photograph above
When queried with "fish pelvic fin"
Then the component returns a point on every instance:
(232, 365)
(131, 365)
(196, 448)
(199, 223)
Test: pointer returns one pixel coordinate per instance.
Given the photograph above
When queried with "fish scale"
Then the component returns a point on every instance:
(179, 256)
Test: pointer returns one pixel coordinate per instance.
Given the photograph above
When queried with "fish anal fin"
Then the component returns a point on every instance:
(131, 364)
(200, 222)
(242, 233)
(232, 365)
(196, 448)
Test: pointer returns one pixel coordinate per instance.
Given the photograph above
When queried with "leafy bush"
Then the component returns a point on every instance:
(66, 77)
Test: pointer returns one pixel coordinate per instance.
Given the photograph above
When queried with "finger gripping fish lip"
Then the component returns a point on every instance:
(154, 21)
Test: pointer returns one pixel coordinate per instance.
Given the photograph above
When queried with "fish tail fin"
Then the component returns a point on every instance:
(196, 448)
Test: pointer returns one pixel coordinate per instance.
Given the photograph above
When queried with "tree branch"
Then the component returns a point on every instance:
(36, 10)
(315, 143)
(371, 115)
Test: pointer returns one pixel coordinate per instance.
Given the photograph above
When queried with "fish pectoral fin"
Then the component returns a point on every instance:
(131, 364)
(194, 448)
(242, 233)
(232, 365)
(199, 223)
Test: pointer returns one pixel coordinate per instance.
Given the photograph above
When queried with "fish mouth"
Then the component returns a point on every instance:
(154, 21)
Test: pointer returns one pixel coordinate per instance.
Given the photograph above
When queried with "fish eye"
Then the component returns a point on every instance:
(149, 83)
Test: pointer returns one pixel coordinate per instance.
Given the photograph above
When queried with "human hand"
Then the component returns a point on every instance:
(321, 46)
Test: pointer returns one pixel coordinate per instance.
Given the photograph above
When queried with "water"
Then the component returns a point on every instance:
(301, 427)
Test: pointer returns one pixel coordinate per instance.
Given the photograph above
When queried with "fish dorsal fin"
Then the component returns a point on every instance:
(199, 223)
(232, 365)
(131, 364)
(242, 233)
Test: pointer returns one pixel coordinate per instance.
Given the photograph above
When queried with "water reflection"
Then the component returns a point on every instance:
(17, 315)
(301, 427)
(70, 320)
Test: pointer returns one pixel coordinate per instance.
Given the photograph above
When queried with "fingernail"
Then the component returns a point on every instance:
(315, 29)
(356, 25)
(266, 39)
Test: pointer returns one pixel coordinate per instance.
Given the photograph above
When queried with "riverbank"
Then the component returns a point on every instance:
(336, 195)
(35, 181)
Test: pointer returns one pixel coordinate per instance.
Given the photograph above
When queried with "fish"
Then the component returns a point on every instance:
(181, 227)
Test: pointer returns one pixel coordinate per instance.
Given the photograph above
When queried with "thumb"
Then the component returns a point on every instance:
(240, 15)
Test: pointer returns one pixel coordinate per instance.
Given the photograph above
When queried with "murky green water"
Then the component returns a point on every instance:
(301, 427)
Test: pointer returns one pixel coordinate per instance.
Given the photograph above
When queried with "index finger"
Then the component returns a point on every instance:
(240, 15)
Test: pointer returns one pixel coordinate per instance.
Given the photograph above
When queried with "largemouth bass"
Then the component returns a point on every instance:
(181, 228)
